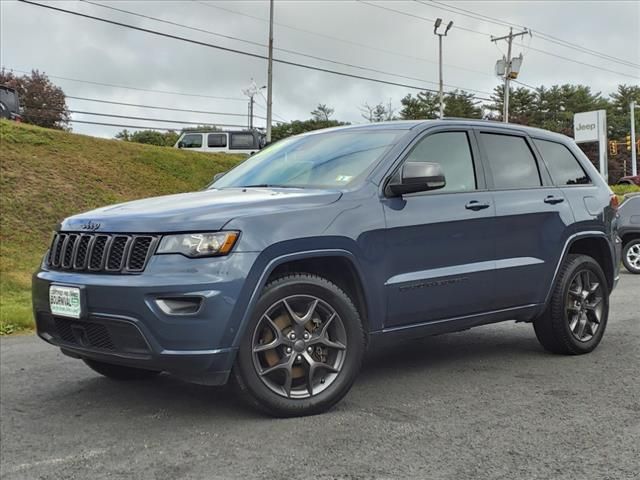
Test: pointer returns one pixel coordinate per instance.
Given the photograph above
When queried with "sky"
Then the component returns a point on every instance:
(365, 34)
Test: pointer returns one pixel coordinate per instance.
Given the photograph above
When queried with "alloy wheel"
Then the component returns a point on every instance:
(584, 305)
(633, 255)
(299, 346)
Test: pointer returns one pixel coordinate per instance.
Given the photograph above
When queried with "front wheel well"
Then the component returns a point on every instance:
(337, 269)
(628, 237)
(598, 249)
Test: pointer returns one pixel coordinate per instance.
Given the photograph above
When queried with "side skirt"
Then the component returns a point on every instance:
(393, 335)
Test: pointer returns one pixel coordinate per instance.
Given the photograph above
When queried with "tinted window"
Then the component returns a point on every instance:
(563, 166)
(241, 140)
(511, 160)
(452, 151)
(217, 140)
(192, 140)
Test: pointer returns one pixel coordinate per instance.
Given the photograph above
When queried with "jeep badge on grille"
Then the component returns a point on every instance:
(91, 226)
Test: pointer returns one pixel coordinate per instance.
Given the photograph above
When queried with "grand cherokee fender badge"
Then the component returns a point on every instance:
(91, 226)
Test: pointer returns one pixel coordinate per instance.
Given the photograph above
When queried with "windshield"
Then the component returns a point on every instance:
(331, 159)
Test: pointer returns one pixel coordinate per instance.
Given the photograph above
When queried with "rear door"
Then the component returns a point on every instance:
(531, 219)
(440, 244)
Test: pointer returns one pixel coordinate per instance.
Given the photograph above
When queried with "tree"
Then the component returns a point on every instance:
(283, 130)
(322, 112)
(618, 116)
(149, 137)
(423, 106)
(461, 104)
(378, 113)
(42, 102)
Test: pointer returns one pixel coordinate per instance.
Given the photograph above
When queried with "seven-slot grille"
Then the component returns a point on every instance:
(99, 252)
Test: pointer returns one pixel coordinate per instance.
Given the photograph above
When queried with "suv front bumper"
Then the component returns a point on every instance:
(123, 323)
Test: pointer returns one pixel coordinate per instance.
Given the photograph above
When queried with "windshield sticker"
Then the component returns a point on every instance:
(344, 178)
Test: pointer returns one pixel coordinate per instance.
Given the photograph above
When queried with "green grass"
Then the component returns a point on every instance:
(47, 175)
(621, 190)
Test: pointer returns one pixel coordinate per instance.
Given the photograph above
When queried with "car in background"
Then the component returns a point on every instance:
(9, 103)
(629, 232)
(244, 141)
(630, 180)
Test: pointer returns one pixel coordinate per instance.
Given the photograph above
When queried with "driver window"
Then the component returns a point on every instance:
(453, 152)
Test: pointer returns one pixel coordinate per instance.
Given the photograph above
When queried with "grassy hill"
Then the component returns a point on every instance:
(47, 175)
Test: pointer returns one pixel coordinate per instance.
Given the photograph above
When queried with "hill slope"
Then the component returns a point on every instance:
(47, 175)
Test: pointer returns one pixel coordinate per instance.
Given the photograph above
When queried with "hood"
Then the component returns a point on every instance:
(206, 210)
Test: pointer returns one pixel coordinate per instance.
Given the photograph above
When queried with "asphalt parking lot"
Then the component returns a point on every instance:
(485, 403)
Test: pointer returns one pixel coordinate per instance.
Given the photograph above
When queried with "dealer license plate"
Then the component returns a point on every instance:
(65, 301)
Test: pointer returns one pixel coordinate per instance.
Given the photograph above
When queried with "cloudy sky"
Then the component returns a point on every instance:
(388, 40)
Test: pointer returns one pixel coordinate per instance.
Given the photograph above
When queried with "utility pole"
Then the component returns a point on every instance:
(510, 68)
(436, 25)
(270, 73)
(634, 145)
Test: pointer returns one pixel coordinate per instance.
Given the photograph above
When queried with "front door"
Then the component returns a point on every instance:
(440, 244)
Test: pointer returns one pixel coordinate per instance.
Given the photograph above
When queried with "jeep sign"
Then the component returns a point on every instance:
(592, 127)
(586, 126)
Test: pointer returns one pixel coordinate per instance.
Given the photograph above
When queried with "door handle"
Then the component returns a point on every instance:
(475, 205)
(553, 200)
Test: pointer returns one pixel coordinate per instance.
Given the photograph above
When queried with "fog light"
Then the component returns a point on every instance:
(179, 305)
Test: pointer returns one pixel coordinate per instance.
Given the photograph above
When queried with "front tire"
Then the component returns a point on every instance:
(119, 372)
(631, 256)
(302, 348)
(576, 317)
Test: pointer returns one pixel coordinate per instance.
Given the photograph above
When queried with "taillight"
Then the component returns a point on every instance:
(614, 203)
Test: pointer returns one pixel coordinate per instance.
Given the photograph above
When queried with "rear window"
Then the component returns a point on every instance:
(511, 160)
(563, 166)
(217, 140)
(241, 140)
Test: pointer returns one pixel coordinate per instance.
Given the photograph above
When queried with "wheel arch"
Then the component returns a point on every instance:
(317, 261)
(596, 247)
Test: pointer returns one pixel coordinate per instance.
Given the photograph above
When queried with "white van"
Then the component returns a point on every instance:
(247, 141)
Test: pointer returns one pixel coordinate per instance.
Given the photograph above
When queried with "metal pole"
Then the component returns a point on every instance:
(441, 93)
(634, 163)
(507, 72)
(251, 112)
(270, 73)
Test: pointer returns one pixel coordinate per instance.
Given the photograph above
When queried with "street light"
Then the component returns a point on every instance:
(436, 25)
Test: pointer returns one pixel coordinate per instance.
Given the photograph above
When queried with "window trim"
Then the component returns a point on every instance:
(543, 174)
(478, 170)
(224, 134)
(533, 141)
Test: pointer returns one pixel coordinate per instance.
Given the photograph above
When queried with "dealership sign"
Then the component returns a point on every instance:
(587, 126)
(592, 127)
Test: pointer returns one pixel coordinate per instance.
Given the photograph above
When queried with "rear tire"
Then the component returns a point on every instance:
(576, 317)
(310, 331)
(119, 372)
(631, 256)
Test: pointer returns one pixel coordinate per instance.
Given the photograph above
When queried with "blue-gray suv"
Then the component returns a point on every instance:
(288, 267)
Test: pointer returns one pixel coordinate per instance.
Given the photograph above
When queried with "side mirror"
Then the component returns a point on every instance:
(417, 177)
(180, 144)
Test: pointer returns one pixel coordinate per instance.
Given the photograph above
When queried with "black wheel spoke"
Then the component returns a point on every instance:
(584, 305)
(297, 354)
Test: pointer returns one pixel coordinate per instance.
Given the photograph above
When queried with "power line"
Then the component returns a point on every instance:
(285, 50)
(342, 40)
(110, 102)
(130, 117)
(542, 35)
(230, 50)
(119, 125)
(486, 34)
(127, 87)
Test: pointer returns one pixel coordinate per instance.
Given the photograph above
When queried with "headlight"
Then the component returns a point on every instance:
(199, 244)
